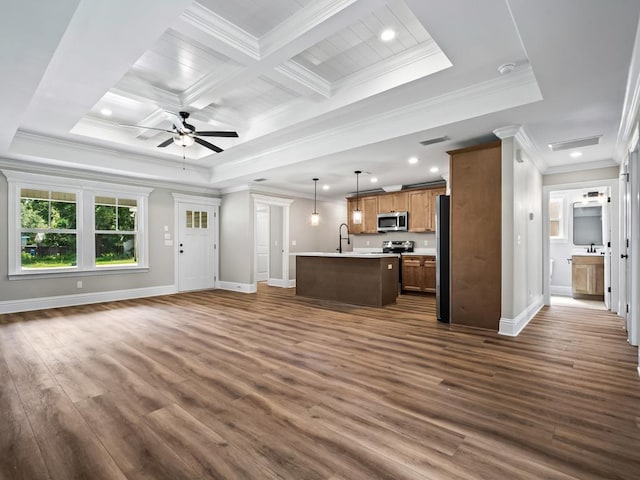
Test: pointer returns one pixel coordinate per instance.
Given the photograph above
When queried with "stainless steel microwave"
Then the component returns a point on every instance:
(393, 222)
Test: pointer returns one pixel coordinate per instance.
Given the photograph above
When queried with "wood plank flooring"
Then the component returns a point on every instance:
(223, 385)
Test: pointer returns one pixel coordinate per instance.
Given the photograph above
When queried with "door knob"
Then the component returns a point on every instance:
(624, 256)
(181, 251)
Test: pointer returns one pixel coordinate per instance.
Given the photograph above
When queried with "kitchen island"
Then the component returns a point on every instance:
(357, 278)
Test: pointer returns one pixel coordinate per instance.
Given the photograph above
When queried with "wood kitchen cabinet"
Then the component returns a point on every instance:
(369, 207)
(422, 209)
(393, 202)
(419, 273)
(587, 276)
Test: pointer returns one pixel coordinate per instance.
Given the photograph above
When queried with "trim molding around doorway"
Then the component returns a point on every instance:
(511, 327)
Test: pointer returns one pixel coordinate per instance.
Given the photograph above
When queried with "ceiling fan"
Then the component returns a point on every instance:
(185, 134)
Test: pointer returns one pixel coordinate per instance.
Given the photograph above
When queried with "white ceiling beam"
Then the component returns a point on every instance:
(309, 26)
(25, 56)
(305, 77)
(90, 58)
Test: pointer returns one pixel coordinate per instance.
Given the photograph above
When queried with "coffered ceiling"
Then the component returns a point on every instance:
(310, 86)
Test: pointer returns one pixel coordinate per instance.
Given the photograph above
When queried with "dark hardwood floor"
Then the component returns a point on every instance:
(233, 386)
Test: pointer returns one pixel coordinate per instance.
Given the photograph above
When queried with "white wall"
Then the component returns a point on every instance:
(236, 238)
(24, 294)
(521, 237)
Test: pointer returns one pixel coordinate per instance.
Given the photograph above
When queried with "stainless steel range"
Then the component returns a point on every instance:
(397, 246)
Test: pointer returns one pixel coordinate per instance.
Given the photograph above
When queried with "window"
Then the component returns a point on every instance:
(47, 229)
(557, 227)
(115, 231)
(196, 219)
(56, 227)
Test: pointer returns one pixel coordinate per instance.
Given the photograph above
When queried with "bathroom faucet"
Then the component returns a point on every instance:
(340, 237)
(591, 249)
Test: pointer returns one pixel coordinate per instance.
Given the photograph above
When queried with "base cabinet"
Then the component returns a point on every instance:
(419, 273)
(587, 276)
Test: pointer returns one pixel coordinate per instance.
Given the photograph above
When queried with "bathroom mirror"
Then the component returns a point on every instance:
(587, 224)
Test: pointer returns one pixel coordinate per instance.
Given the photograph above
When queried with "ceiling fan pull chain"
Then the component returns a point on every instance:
(184, 161)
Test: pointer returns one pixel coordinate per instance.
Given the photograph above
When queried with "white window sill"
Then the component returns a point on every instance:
(41, 273)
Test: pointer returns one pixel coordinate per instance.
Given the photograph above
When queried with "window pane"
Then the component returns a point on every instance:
(189, 218)
(105, 217)
(105, 200)
(127, 218)
(31, 193)
(554, 209)
(63, 196)
(48, 250)
(554, 228)
(115, 249)
(203, 219)
(63, 215)
(196, 219)
(34, 213)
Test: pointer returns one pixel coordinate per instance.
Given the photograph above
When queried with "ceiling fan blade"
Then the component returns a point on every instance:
(146, 128)
(216, 134)
(166, 143)
(211, 146)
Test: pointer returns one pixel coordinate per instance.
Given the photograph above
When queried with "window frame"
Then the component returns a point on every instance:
(86, 192)
(563, 236)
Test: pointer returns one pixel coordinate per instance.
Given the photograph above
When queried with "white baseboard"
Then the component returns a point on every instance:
(560, 290)
(237, 287)
(13, 306)
(513, 326)
(278, 282)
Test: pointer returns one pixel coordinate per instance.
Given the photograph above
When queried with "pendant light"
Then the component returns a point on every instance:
(315, 216)
(357, 213)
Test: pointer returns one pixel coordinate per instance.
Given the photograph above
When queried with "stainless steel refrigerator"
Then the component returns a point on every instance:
(443, 216)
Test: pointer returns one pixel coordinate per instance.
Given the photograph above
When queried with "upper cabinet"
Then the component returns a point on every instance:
(420, 204)
(422, 209)
(393, 202)
(369, 207)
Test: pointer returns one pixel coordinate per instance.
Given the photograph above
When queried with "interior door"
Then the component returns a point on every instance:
(606, 240)
(262, 242)
(195, 247)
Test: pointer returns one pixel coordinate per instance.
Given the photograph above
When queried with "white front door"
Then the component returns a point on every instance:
(262, 242)
(196, 244)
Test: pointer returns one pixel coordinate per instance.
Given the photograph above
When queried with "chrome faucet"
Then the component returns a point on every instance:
(340, 237)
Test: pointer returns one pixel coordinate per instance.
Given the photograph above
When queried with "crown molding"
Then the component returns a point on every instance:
(424, 52)
(305, 77)
(532, 151)
(631, 105)
(131, 86)
(209, 82)
(151, 120)
(506, 132)
(220, 28)
(576, 167)
(498, 93)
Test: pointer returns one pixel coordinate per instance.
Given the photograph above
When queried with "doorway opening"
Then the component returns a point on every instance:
(581, 229)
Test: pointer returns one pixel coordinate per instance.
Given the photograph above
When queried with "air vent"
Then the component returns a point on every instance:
(431, 141)
(259, 179)
(576, 143)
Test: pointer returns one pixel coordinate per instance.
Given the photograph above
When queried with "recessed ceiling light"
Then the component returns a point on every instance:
(575, 154)
(387, 35)
(106, 112)
(413, 160)
(374, 179)
(326, 187)
(434, 169)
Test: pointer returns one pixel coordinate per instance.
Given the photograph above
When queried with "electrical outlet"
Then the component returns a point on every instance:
(368, 243)
(390, 266)
(426, 243)
(79, 284)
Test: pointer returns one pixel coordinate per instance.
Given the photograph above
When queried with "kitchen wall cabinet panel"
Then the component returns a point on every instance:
(419, 220)
(393, 202)
(369, 207)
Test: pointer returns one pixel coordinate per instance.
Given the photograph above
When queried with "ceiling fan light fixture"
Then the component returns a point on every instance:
(183, 140)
